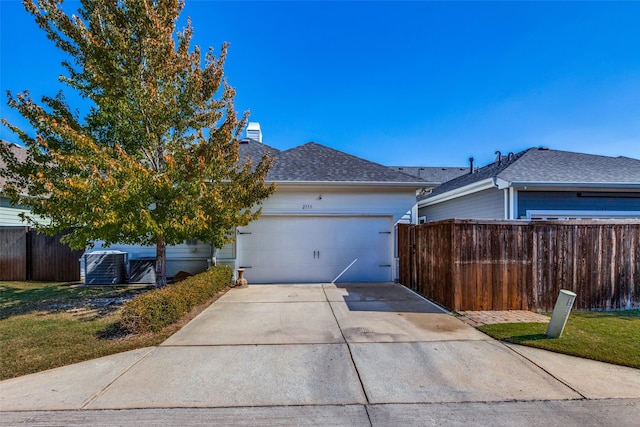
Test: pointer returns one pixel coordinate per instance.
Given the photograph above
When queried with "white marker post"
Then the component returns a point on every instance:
(560, 313)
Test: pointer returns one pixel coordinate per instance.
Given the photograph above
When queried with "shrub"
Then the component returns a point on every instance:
(158, 308)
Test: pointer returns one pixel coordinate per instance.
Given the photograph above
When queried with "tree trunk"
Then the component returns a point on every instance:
(161, 262)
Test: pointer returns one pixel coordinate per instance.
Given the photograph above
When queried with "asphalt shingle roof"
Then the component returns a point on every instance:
(308, 163)
(314, 162)
(433, 174)
(254, 150)
(540, 166)
(18, 151)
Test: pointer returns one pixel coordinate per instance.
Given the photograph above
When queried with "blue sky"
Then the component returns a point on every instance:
(404, 83)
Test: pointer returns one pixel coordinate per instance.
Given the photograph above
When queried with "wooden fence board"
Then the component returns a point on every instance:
(28, 255)
(511, 265)
(13, 247)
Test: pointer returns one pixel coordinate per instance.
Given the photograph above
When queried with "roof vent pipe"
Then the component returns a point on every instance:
(470, 164)
(499, 157)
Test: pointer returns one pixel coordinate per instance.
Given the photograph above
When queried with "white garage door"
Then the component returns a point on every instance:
(296, 249)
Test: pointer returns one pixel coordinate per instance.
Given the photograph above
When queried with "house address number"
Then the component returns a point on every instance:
(307, 206)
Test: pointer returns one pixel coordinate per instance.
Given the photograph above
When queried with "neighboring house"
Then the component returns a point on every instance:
(9, 215)
(433, 176)
(540, 183)
(329, 210)
(192, 256)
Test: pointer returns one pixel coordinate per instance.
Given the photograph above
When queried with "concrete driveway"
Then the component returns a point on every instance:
(343, 354)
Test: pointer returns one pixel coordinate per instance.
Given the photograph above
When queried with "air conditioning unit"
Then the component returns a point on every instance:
(105, 267)
(142, 270)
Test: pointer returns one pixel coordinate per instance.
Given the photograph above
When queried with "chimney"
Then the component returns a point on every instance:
(470, 164)
(254, 132)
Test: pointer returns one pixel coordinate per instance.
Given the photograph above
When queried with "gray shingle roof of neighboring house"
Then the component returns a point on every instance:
(314, 162)
(553, 166)
(433, 174)
(18, 151)
(539, 166)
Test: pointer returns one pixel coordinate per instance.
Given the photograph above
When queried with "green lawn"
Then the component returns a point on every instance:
(612, 337)
(46, 325)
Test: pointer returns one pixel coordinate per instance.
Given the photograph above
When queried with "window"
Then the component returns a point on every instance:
(566, 215)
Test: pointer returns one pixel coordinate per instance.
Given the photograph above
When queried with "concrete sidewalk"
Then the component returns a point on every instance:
(370, 354)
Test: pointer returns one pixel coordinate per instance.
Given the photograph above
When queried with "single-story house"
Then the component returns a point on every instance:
(330, 211)
(539, 183)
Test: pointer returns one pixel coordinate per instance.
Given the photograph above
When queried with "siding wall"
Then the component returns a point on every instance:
(569, 200)
(319, 200)
(307, 200)
(9, 215)
(191, 258)
(227, 252)
(486, 204)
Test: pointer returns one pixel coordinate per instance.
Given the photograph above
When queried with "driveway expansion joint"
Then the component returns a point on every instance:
(100, 392)
(569, 386)
(353, 362)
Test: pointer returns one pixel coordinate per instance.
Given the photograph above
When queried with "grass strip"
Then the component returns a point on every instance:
(612, 337)
(39, 341)
(45, 325)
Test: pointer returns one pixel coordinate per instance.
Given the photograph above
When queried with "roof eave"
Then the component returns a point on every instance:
(475, 187)
(415, 185)
(620, 185)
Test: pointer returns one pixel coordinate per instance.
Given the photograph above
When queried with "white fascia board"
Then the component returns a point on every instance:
(613, 185)
(502, 184)
(485, 184)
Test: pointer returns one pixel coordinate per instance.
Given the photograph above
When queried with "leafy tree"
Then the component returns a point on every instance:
(156, 158)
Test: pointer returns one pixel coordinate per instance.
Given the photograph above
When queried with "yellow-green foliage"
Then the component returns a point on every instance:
(162, 307)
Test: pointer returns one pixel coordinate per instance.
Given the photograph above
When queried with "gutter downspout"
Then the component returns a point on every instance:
(506, 203)
(512, 204)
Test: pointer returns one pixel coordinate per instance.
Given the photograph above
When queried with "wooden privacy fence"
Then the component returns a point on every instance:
(519, 265)
(28, 255)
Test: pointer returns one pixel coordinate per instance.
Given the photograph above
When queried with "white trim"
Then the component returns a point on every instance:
(502, 184)
(475, 187)
(506, 203)
(328, 213)
(622, 185)
(571, 214)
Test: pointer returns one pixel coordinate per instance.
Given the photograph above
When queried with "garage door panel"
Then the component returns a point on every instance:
(316, 249)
